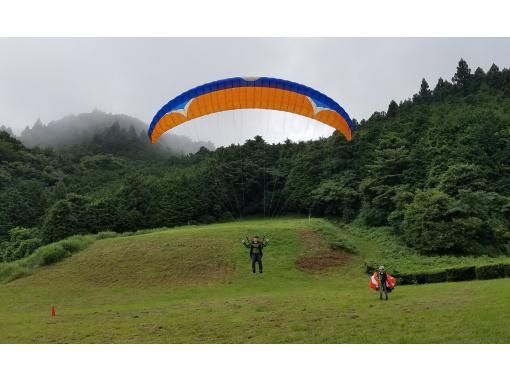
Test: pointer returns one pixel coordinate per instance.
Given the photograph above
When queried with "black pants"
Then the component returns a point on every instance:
(383, 290)
(256, 258)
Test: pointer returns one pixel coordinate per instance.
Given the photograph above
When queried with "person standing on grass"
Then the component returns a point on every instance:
(256, 247)
(383, 282)
(383, 279)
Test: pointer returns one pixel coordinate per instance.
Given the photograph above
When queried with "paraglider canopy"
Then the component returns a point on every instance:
(250, 92)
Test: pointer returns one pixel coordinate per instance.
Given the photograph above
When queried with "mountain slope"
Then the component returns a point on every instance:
(77, 129)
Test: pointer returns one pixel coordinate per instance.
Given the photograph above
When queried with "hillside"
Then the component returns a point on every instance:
(74, 130)
(433, 170)
(194, 285)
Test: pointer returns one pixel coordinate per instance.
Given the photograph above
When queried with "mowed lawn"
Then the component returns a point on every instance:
(195, 285)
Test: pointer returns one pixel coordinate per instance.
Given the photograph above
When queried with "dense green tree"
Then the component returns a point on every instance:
(337, 197)
(425, 93)
(463, 75)
(386, 174)
(459, 177)
(22, 242)
(67, 217)
(428, 223)
(392, 109)
(443, 89)
(478, 78)
(493, 76)
(471, 223)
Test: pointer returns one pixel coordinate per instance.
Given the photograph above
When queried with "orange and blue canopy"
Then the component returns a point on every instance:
(258, 92)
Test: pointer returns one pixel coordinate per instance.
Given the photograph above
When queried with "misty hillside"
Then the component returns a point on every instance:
(78, 129)
(3, 128)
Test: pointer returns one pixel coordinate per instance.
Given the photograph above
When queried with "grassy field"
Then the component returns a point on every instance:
(379, 245)
(195, 285)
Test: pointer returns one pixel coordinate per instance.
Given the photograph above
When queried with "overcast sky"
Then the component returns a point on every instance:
(51, 78)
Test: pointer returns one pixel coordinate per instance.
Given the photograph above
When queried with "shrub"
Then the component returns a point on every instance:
(75, 243)
(206, 219)
(27, 247)
(11, 271)
(23, 242)
(52, 253)
(429, 278)
(67, 217)
(45, 255)
(461, 274)
(487, 272)
(106, 235)
(226, 217)
(483, 272)
(428, 224)
(406, 279)
(341, 244)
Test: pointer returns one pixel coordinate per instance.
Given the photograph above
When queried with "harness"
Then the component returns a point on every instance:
(256, 248)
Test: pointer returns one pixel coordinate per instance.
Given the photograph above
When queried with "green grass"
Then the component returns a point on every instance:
(380, 246)
(194, 285)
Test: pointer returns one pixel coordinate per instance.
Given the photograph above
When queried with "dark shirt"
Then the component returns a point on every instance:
(255, 248)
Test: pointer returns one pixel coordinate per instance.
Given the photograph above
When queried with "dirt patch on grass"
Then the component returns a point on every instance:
(318, 255)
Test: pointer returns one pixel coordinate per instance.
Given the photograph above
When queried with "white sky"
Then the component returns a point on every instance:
(53, 77)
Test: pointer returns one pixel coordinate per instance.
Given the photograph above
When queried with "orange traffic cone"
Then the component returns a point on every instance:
(53, 313)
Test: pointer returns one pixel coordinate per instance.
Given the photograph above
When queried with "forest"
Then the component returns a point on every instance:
(435, 168)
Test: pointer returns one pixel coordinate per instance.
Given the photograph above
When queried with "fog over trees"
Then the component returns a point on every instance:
(82, 128)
